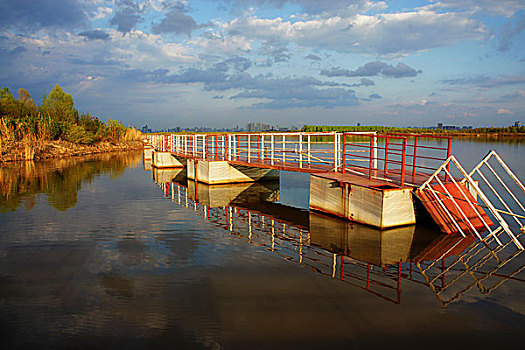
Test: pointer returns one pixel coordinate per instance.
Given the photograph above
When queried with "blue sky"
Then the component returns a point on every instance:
(221, 63)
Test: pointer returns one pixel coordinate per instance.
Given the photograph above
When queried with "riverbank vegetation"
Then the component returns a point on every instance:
(509, 130)
(31, 131)
(58, 179)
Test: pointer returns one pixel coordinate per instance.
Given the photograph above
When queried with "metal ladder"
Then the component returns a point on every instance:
(462, 206)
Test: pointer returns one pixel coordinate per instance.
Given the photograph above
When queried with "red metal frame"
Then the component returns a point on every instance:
(415, 146)
(372, 158)
(391, 160)
(395, 154)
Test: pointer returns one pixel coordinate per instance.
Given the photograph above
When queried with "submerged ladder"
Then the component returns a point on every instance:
(483, 264)
(461, 206)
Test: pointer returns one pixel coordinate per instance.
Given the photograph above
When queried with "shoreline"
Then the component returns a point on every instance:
(476, 135)
(42, 150)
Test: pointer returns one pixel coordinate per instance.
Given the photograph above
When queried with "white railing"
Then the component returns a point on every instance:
(465, 208)
(315, 151)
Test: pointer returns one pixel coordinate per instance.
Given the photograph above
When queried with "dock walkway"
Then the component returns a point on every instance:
(364, 177)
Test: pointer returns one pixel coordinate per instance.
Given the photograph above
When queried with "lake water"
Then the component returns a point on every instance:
(104, 252)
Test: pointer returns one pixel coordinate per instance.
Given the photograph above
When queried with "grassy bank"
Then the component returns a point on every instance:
(55, 128)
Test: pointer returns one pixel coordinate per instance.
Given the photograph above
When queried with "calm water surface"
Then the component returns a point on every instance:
(104, 252)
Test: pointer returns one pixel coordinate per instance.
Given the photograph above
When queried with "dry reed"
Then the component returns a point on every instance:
(132, 134)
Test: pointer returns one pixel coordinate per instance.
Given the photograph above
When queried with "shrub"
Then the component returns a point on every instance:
(78, 134)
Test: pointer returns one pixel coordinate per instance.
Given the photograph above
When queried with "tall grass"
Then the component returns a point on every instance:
(54, 119)
(15, 135)
(132, 134)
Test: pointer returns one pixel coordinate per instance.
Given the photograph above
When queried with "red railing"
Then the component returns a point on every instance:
(438, 156)
(395, 157)
(216, 146)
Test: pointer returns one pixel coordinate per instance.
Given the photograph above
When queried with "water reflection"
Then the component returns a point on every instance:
(60, 180)
(125, 268)
(455, 265)
(379, 262)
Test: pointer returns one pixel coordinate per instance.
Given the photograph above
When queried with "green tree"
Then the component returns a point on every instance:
(26, 103)
(60, 105)
(4, 92)
(9, 106)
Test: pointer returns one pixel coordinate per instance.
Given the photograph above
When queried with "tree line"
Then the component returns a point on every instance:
(488, 130)
(55, 118)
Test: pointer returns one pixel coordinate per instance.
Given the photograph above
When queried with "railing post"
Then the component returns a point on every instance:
(205, 140)
(344, 154)
(385, 166)
(403, 161)
(335, 152)
(249, 148)
(414, 160)
(284, 147)
(216, 146)
(300, 150)
(371, 156)
(375, 151)
(236, 147)
(262, 146)
(224, 148)
(309, 153)
(449, 152)
(258, 147)
(272, 141)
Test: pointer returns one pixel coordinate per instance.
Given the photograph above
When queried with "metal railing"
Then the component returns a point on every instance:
(304, 151)
(399, 158)
(405, 159)
(462, 206)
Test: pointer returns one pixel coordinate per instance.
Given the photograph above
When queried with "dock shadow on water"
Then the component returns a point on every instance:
(93, 255)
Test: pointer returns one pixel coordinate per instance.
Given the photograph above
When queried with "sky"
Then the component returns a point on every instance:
(222, 63)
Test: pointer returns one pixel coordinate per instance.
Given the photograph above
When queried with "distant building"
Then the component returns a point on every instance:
(256, 127)
(440, 126)
(517, 123)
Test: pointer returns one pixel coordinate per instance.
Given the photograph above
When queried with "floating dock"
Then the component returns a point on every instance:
(369, 202)
(363, 177)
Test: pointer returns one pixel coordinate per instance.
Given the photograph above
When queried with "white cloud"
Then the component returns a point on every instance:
(505, 8)
(179, 51)
(386, 34)
(318, 7)
(216, 43)
(505, 111)
(102, 12)
(414, 103)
